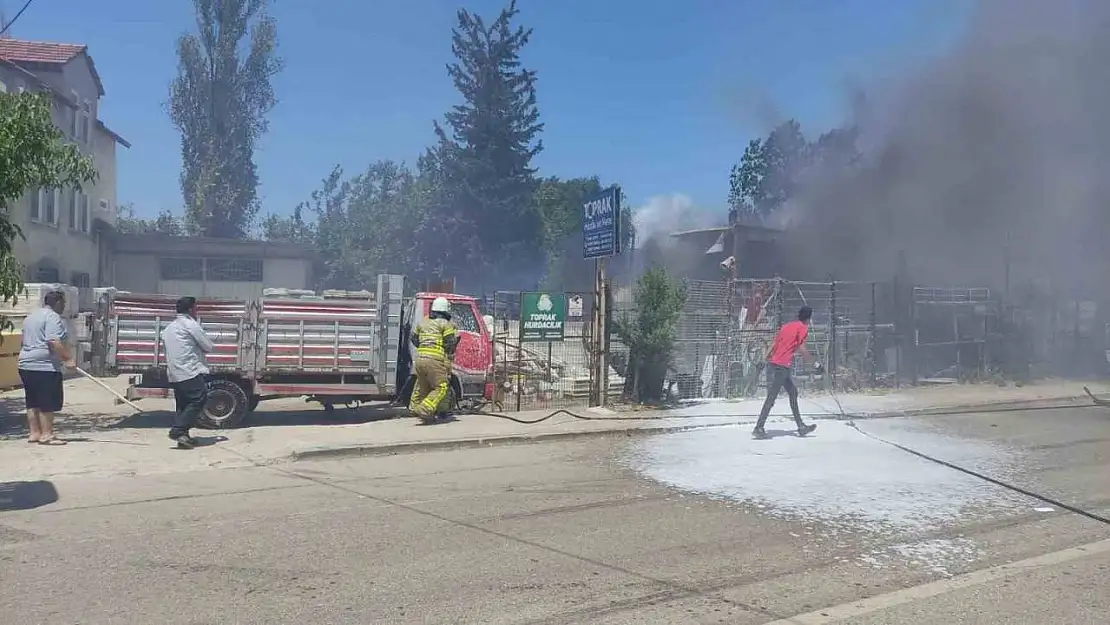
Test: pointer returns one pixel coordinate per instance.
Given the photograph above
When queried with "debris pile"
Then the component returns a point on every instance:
(541, 372)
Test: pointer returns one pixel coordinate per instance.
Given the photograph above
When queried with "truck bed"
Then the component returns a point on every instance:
(282, 345)
(317, 336)
(137, 321)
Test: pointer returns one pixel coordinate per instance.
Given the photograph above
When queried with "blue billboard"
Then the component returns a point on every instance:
(601, 224)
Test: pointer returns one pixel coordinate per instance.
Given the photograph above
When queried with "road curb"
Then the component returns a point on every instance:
(489, 441)
(518, 439)
(999, 406)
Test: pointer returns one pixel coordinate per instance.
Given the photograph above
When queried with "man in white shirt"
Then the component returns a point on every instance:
(186, 344)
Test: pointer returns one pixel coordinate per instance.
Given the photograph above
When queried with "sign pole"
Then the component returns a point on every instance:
(595, 339)
(601, 237)
(602, 336)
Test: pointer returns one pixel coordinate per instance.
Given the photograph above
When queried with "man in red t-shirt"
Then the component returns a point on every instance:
(790, 338)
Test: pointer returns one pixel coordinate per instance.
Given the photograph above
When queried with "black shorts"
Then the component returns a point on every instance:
(42, 389)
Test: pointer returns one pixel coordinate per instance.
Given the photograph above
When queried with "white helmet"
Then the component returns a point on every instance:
(441, 305)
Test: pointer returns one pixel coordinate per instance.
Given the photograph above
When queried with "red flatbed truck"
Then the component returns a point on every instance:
(331, 351)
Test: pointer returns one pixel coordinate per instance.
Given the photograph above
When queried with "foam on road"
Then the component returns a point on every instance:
(843, 481)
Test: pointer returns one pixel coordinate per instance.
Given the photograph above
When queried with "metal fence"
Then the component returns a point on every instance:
(724, 334)
(952, 333)
(1053, 334)
(533, 376)
(865, 334)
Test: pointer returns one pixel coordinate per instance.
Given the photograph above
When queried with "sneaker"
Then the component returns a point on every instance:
(807, 429)
(186, 442)
(760, 433)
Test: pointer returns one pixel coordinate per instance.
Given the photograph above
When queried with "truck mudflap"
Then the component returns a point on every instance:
(136, 391)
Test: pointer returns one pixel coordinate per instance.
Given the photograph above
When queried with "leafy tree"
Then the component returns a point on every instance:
(291, 229)
(33, 154)
(362, 226)
(650, 333)
(835, 150)
(484, 157)
(127, 222)
(559, 205)
(219, 101)
(768, 172)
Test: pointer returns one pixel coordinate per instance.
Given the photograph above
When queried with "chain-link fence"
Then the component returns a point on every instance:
(543, 375)
(724, 335)
(865, 334)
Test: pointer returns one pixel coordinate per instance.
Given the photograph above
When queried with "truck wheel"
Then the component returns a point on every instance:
(226, 406)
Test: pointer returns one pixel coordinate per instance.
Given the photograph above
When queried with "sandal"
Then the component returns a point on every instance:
(52, 441)
(32, 440)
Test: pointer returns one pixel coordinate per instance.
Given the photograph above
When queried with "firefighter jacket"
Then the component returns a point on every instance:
(435, 338)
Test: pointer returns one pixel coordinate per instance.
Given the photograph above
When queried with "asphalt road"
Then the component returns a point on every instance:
(832, 529)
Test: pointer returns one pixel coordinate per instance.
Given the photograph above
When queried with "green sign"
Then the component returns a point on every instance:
(542, 317)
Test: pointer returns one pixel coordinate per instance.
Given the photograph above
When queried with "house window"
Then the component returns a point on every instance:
(86, 120)
(181, 268)
(44, 206)
(83, 214)
(74, 116)
(80, 280)
(73, 196)
(47, 274)
(50, 206)
(36, 205)
(234, 270)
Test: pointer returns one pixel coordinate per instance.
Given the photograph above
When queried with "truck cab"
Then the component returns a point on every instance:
(473, 361)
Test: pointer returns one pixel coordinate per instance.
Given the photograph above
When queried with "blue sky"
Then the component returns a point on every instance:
(661, 97)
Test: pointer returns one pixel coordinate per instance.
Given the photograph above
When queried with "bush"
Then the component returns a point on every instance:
(650, 334)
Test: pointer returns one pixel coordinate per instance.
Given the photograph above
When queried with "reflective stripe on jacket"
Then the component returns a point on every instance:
(435, 338)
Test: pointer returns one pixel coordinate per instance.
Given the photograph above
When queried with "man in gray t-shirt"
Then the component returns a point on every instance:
(43, 356)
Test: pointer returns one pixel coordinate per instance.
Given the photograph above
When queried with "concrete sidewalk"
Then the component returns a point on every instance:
(107, 439)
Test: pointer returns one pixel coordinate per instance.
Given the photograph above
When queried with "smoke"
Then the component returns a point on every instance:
(654, 222)
(998, 150)
(664, 214)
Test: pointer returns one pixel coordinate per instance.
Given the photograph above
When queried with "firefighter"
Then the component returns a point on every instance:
(435, 339)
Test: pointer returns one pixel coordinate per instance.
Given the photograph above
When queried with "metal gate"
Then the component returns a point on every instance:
(951, 327)
(549, 375)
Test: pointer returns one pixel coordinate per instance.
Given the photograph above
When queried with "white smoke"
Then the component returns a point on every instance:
(664, 214)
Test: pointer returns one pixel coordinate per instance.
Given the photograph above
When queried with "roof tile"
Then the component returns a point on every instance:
(19, 50)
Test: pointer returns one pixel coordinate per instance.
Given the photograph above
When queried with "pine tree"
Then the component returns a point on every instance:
(494, 134)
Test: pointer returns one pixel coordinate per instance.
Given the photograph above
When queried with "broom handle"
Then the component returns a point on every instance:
(107, 388)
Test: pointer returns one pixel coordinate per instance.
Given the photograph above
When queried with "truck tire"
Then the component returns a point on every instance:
(226, 407)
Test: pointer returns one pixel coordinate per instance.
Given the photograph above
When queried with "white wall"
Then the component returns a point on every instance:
(289, 273)
(140, 273)
(78, 249)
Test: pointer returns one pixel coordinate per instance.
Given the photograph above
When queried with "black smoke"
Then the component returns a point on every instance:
(998, 152)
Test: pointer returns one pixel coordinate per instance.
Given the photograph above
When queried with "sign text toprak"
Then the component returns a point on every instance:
(542, 317)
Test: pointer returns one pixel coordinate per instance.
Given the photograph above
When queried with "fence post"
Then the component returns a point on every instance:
(871, 353)
(831, 371)
(780, 313)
